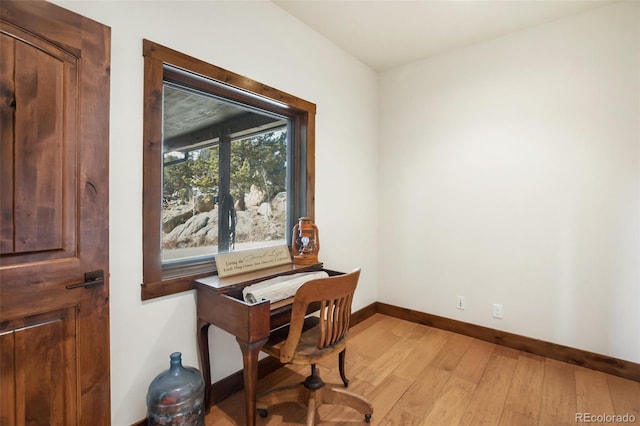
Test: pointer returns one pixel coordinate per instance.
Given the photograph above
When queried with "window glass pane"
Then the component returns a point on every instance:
(259, 188)
(189, 217)
(224, 176)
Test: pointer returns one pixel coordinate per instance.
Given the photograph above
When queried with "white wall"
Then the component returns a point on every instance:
(510, 173)
(260, 41)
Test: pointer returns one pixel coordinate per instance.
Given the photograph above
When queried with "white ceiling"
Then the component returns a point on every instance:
(387, 33)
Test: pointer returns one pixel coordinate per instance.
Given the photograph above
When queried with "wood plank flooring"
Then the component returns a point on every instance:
(419, 375)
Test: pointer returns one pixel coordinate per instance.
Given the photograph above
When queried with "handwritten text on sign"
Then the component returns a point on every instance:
(251, 260)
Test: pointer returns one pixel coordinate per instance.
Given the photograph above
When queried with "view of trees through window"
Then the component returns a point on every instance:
(226, 190)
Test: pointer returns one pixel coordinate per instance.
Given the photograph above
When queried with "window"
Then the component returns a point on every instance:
(228, 164)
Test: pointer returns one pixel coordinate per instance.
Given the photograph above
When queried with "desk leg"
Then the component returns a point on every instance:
(250, 353)
(205, 361)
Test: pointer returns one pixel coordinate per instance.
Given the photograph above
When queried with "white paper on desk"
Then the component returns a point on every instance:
(279, 288)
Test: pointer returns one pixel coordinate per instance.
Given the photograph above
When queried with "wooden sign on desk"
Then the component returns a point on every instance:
(239, 262)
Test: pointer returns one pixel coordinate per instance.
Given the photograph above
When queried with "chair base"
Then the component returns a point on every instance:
(312, 397)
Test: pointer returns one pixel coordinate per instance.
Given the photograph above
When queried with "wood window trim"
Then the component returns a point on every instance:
(156, 57)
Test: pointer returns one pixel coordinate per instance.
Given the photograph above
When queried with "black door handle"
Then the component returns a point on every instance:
(91, 279)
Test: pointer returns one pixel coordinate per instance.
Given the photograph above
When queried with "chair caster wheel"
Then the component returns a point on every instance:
(367, 418)
(263, 413)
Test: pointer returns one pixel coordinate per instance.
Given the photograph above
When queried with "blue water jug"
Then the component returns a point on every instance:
(176, 396)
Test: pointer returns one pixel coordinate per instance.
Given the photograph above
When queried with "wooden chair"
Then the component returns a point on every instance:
(309, 340)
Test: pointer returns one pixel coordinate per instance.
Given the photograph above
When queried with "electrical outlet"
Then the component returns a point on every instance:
(497, 310)
(460, 302)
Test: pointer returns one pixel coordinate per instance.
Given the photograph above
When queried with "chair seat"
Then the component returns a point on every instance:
(307, 351)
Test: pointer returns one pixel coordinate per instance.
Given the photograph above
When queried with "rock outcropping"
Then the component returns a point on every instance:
(195, 223)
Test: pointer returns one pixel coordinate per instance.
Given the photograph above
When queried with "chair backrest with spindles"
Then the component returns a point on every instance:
(335, 295)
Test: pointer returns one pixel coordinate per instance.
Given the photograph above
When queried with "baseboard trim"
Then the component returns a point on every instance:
(606, 364)
(226, 387)
(364, 313)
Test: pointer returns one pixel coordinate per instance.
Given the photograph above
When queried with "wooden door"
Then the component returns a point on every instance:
(54, 122)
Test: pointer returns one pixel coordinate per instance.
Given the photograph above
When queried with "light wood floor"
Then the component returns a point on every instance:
(418, 375)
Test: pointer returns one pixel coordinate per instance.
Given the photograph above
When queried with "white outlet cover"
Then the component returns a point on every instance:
(497, 311)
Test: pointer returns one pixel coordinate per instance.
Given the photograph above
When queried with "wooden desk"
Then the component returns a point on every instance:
(219, 302)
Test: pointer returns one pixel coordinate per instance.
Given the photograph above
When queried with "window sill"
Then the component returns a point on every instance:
(167, 287)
